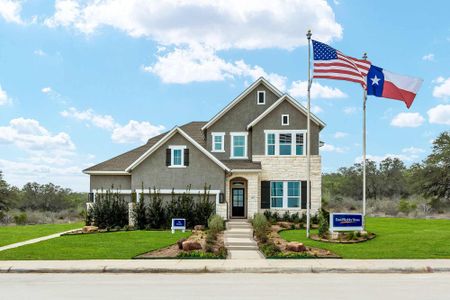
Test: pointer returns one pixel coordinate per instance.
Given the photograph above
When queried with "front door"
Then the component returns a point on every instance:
(237, 202)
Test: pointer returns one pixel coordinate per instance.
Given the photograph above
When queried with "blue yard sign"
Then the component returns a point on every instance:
(346, 222)
(178, 224)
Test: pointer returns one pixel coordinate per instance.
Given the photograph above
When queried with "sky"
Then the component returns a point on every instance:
(83, 81)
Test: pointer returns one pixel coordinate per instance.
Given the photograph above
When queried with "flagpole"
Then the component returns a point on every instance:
(308, 147)
(364, 152)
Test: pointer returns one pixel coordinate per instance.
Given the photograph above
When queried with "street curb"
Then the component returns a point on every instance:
(199, 270)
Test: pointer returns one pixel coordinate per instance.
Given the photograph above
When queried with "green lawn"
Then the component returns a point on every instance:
(396, 238)
(111, 245)
(14, 234)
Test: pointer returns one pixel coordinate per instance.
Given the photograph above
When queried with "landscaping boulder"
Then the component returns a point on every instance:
(285, 225)
(89, 229)
(180, 243)
(191, 245)
(199, 227)
(295, 247)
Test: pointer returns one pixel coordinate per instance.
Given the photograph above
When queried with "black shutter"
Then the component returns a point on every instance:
(91, 197)
(303, 194)
(265, 194)
(186, 157)
(168, 157)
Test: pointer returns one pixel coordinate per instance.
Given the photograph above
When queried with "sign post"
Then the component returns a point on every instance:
(346, 222)
(178, 224)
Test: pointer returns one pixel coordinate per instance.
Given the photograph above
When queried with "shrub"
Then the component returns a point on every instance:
(140, 214)
(295, 218)
(404, 206)
(268, 215)
(109, 210)
(270, 249)
(286, 216)
(216, 224)
(275, 216)
(181, 206)
(315, 219)
(260, 225)
(323, 224)
(156, 213)
(20, 219)
(203, 209)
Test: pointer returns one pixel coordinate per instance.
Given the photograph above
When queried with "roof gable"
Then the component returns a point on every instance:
(239, 98)
(291, 100)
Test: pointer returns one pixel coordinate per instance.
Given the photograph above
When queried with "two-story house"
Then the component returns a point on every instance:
(252, 154)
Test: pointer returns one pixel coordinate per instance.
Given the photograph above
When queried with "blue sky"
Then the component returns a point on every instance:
(82, 81)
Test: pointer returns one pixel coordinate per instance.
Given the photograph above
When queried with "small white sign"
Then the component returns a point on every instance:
(178, 224)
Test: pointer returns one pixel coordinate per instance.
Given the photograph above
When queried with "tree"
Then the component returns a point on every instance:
(392, 177)
(4, 194)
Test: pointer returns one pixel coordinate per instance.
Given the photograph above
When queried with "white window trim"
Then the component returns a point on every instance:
(285, 195)
(221, 134)
(232, 135)
(282, 119)
(257, 97)
(277, 142)
(177, 147)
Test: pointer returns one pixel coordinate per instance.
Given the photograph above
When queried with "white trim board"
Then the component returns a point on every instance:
(242, 96)
(107, 173)
(165, 139)
(294, 102)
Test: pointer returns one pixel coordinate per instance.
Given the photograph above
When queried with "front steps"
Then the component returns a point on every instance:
(238, 239)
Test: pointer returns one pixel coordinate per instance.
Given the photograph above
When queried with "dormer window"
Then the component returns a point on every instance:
(261, 97)
(284, 120)
(177, 157)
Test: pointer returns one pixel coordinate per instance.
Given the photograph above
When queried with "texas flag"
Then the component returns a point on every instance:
(382, 83)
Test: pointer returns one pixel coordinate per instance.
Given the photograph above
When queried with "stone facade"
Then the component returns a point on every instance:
(253, 197)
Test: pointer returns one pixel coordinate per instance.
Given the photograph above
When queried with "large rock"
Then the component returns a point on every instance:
(191, 245)
(180, 243)
(199, 227)
(295, 247)
(89, 229)
(285, 225)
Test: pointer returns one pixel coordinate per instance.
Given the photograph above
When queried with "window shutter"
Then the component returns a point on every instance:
(265, 194)
(186, 157)
(168, 157)
(91, 197)
(303, 194)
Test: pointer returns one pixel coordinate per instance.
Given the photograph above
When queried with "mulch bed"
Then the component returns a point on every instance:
(361, 239)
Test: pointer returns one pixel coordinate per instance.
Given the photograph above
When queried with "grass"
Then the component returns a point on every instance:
(396, 238)
(110, 245)
(15, 234)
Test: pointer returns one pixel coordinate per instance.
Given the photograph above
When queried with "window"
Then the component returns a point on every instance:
(285, 194)
(282, 142)
(284, 120)
(276, 194)
(261, 97)
(238, 144)
(177, 156)
(218, 140)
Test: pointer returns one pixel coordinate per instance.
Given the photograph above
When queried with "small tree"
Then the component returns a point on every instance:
(140, 214)
(109, 210)
(203, 208)
(156, 212)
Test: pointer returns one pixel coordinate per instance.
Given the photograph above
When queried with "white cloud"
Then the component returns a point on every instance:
(46, 90)
(315, 109)
(132, 132)
(340, 135)
(428, 57)
(221, 24)
(101, 121)
(197, 64)
(30, 136)
(135, 131)
(4, 98)
(350, 110)
(331, 148)
(439, 114)
(299, 89)
(413, 150)
(10, 11)
(442, 88)
(39, 52)
(407, 120)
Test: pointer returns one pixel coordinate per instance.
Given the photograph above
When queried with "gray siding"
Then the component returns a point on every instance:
(297, 121)
(98, 182)
(237, 119)
(153, 172)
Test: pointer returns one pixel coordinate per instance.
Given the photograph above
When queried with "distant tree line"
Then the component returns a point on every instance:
(391, 179)
(39, 197)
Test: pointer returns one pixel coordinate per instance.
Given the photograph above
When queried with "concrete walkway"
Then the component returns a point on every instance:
(293, 266)
(36, 240)
(238, 239)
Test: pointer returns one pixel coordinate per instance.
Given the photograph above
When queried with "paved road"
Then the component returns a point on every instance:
(225, 286)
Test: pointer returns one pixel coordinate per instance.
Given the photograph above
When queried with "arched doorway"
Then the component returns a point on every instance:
(238, 196)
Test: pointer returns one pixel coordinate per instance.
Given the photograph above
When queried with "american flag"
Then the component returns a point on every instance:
(332, 64)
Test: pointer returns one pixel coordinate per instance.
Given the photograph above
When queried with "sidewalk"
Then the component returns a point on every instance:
(227, 266)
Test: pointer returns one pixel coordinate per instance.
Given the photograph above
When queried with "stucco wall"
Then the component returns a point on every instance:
(293, 168)
(98, 182)
(237, 119)
(297, 121)
(153, 172)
